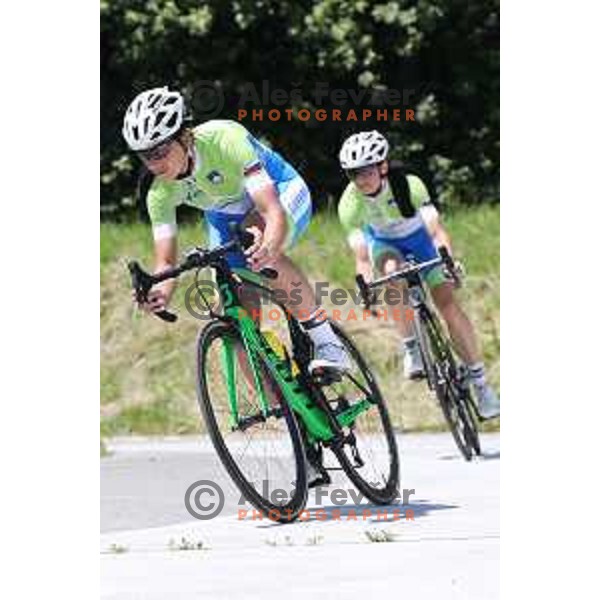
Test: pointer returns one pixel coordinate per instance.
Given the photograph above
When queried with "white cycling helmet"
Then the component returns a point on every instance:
(153, 117)
(363, 149)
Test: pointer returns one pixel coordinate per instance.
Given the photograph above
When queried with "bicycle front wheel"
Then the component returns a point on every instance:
(251, 426)
(451, 388)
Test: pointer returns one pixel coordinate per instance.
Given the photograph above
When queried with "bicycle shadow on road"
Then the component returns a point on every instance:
(490, 455)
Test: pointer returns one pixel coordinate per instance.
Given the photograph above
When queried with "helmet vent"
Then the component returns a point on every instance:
(153, 101)
(172, 120)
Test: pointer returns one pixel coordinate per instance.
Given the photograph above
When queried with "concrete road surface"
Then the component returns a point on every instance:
(444, 543)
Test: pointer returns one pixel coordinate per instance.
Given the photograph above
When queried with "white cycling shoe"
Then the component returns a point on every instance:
(330, 356)
(487, 401)
(413, 365)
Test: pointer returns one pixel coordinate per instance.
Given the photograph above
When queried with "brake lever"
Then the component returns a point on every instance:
(450, 266)
(246, 239)
(142, 283)
(269, 273)
(365, 294)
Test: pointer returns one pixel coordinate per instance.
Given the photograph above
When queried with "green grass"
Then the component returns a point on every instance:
(147, 366)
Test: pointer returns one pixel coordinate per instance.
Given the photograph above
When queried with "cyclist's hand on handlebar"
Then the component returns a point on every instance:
(457, 274)
(257, 233)
(157, 301)
(260, 254)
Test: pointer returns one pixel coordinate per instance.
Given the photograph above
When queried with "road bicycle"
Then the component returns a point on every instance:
(266, 415)
(446, 376)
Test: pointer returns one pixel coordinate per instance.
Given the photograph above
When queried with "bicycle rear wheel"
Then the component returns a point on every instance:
(264, 455)
(450, 386)
(368, 453)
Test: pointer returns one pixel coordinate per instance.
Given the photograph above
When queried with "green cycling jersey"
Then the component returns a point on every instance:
(227, 163)
(380, 213)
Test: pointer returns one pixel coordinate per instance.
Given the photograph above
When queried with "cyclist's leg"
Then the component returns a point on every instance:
(459, 325)
(302, 299)
(387, 258)
(463, 335)
(294, 196)
(295, 200)
(329, 351)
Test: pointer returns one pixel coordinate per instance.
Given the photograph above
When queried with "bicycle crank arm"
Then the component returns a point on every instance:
(248, 422)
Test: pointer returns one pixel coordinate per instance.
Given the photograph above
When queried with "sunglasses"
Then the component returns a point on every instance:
(354, 173)
(157, 153)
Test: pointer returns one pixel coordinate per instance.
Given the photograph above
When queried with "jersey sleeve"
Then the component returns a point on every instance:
(244, 158)
(418, 191)
(161, 202)
(240, 152)
(350, 213)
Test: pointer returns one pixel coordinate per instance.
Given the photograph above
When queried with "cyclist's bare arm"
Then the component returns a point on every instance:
(270, 244)
(438, 232)
(268, 249)
(361, 257)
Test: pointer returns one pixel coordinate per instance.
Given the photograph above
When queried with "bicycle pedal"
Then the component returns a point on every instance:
(419, 376)
(323, 376)
(323, 479)
(484, 419)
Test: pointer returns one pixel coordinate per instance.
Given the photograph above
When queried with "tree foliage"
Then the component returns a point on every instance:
(444, 52)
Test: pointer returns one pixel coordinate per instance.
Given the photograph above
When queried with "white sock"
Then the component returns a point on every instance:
(409, 344)
(477, 374)
(319, 329)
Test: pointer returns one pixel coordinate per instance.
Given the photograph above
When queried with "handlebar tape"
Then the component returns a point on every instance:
(167, 316)
(364, 290)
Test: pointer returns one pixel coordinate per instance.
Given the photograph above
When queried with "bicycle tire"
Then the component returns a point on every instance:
(453, 396)
(378, 495)
(284, 513)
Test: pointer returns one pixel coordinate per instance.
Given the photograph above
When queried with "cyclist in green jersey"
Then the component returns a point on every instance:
(389, 218)
(220, 168)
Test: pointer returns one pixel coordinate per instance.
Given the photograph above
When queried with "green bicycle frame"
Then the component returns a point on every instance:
(315, 421)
